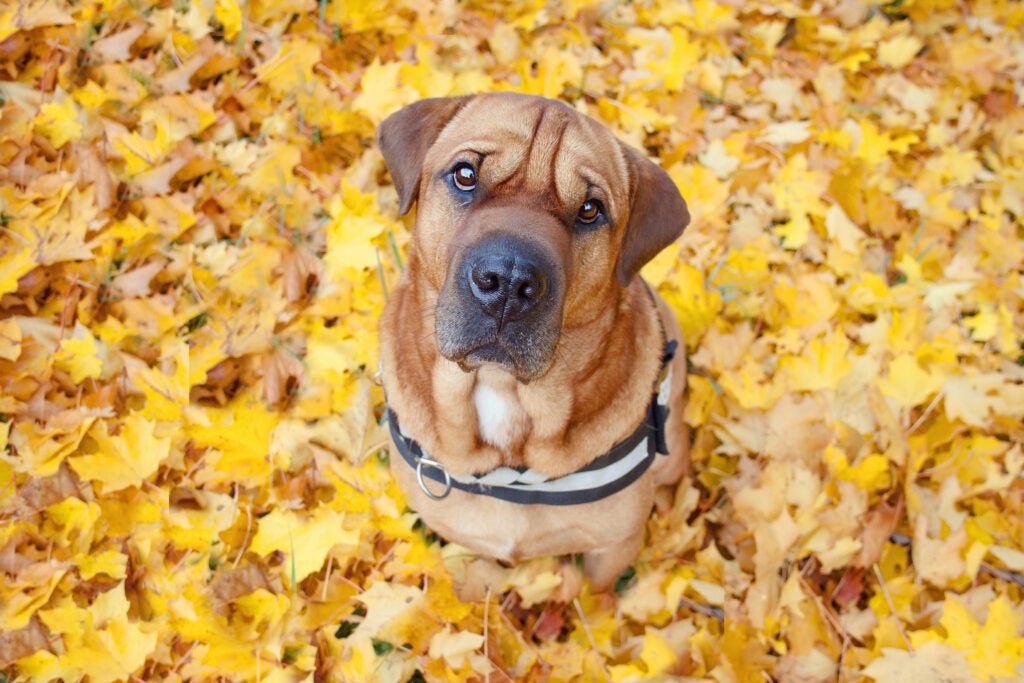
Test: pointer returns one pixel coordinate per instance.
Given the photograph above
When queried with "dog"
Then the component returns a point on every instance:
(534, 382)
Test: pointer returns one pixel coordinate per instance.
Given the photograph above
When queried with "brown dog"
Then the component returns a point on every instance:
(524, 360)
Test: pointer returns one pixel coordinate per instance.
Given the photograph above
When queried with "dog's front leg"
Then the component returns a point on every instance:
(605, 565)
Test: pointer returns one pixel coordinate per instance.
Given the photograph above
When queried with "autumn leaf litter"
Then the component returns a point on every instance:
(196, 239)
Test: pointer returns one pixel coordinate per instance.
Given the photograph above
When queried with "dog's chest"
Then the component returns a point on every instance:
(501, 419)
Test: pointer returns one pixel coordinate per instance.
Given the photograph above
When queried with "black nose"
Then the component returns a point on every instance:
(507, 284)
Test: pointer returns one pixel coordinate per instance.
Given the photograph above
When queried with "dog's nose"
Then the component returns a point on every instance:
(507, 286)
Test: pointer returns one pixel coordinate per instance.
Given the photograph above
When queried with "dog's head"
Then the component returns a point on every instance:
(532, 218)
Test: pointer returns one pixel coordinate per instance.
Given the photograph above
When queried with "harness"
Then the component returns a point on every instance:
(615, 470)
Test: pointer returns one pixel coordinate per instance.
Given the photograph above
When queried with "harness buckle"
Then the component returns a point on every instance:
(420, 462)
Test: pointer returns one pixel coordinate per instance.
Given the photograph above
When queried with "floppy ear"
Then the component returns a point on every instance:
(406, 135)
(657, 215)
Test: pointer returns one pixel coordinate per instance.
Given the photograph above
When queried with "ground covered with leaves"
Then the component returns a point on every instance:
(196, 239)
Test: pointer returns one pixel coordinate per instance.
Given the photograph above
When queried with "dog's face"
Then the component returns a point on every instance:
(532, 218)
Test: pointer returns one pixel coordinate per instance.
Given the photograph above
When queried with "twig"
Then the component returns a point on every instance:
(1004, 574)
(590, 637)
(327, 576)
(716, 613)
(927, 411)
(892, 606)
(245, 539)
(487, 607)
(995, 572)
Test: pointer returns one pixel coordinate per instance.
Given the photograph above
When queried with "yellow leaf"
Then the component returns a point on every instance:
(457, 648)
(58, 122)
(875, 145)
(78, 358)
(198, 529)
(939, 561)
(685, 55)
(751, 386)
(10, 339)
(14, 264)
(180, 115)
(977, 397)
(76, 518)
(126, 459)
(870, 294)
(712, 593)
(908, 383)
(350, 233)
(983, 325)
(897, 52)
(810, 300)
(91, 95)
(822, 364)
(291, 68)
(534, 587)
(993, 650)
(261, 608)
(656, 654)
(229, 14)
(701, 396)
(42, 448)
(695, 305)
(275, 171)
(549, 73)
(840, 228)
(797, 191)
(113, 563)
(902, 591)
(166, 385)
(838, 554)
(140, 152)
(718, 160)
(304, 539)
(871, 473)
(99, 641)
(1012, 558)
(382, 91)
(793, 233)
(931, 661)
(241, 432)
(427, 75)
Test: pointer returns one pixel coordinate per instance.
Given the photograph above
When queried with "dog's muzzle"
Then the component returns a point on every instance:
(501, 304)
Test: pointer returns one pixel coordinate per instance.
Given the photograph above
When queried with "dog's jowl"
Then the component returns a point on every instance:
(534, 381)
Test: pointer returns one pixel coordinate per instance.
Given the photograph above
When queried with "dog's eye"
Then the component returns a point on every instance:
(464, 177)
(590, 212)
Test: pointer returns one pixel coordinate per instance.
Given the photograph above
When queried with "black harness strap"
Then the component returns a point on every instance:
(560, 490)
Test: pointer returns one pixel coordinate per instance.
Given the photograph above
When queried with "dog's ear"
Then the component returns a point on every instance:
(657, 215)
(406, 135)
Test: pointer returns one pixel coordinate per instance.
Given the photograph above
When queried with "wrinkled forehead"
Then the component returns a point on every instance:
(538, 142)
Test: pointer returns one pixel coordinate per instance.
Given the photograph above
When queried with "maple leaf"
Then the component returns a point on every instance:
(241, 435)
(992, 650)
(908, 383)
(79, 358)
(10, 340)
(229, 14)
(99, 641)
(58, 122)
(304, 541)
(291, 68)
(125, 459)
(931, 661)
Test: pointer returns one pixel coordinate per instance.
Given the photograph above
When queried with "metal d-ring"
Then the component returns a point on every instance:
(420, 462)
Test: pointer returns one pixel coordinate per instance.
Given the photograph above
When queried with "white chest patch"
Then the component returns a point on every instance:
(500, 417)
